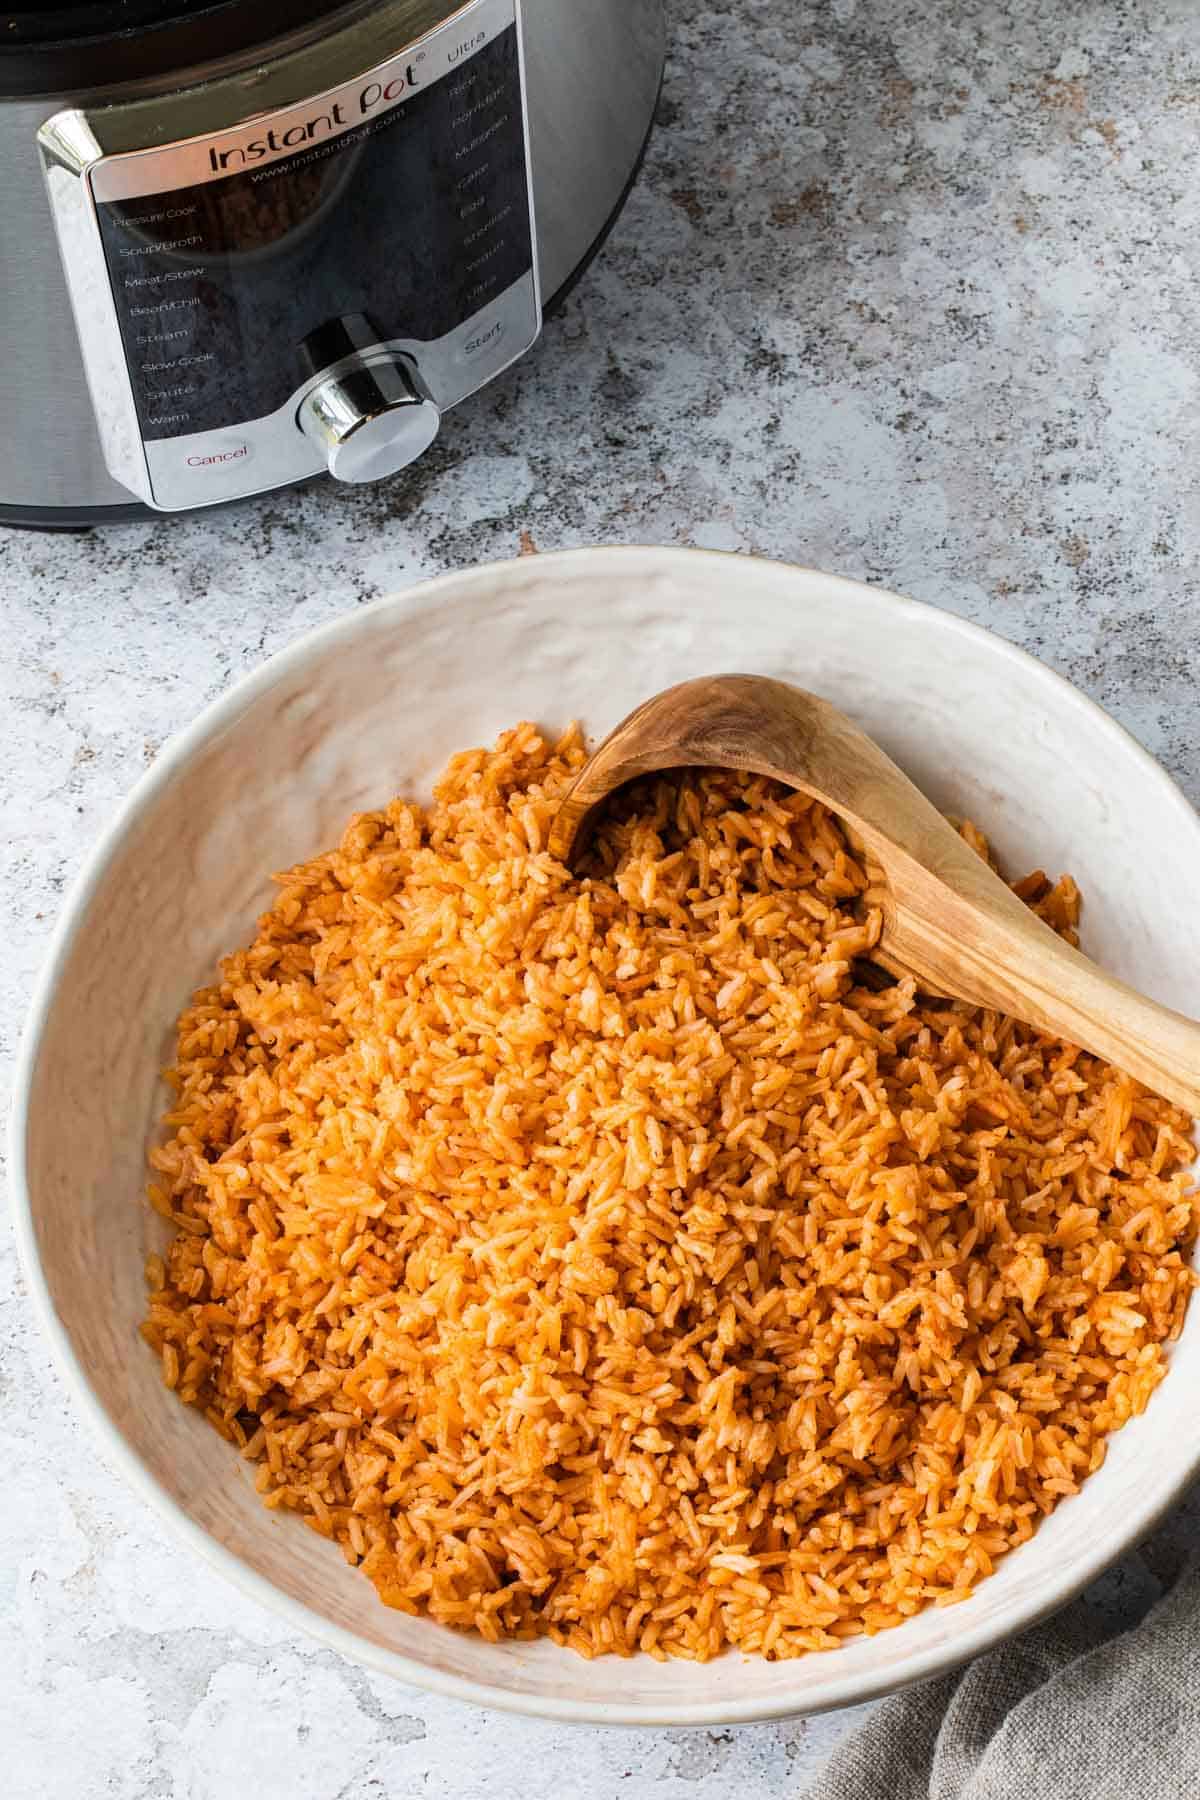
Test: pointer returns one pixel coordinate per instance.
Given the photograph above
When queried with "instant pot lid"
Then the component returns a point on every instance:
(53, 49)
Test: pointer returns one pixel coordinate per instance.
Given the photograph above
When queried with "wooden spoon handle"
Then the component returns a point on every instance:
(983, 950)
(948, 915)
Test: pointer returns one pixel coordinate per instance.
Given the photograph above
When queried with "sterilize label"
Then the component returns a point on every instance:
(402, 197)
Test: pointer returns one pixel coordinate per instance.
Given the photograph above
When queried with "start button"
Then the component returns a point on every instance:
(484, 337)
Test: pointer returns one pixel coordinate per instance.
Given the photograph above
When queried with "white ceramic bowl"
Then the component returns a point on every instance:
(374, 704)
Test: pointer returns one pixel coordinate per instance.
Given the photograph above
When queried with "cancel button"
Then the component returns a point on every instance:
(219, 456)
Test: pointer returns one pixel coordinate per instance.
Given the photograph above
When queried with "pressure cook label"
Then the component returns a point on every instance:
(403, 198)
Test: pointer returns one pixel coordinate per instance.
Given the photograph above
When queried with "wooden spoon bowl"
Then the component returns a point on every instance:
(948, 919)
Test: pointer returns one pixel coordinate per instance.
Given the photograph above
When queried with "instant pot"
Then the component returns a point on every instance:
(245, 243)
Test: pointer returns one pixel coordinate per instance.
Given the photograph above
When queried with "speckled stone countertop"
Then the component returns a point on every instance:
(906, 292)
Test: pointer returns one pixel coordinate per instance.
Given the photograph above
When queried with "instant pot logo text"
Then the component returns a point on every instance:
(342, 113)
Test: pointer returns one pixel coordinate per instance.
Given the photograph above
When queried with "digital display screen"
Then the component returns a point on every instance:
(417, 219)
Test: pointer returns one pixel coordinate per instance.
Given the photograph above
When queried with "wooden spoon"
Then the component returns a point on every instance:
(947, 919)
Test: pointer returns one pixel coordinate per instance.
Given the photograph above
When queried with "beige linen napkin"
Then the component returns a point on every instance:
(1102, 1702)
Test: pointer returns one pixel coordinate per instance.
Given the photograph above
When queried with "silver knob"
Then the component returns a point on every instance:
(370, 419)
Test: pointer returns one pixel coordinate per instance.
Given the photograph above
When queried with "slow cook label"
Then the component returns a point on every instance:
(402, 198)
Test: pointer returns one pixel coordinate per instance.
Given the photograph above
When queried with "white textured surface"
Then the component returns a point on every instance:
(904, 294)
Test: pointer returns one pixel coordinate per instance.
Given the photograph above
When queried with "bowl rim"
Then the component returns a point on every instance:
(833, 1691)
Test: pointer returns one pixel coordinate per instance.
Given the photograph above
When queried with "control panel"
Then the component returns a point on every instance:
(311, 287)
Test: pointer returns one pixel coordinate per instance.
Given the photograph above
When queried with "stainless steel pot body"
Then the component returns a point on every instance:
(590, 76)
